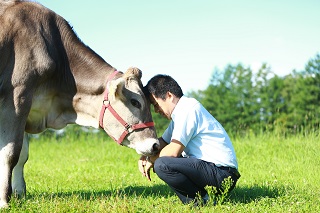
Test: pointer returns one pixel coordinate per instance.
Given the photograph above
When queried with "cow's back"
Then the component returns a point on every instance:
(31, 40)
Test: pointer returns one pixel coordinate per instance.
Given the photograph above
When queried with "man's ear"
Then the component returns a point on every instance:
(116, 88)
(169, 95)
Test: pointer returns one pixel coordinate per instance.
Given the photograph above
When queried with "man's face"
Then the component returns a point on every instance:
(161, 106)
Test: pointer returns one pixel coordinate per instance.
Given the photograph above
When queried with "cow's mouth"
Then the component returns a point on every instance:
(149, 147)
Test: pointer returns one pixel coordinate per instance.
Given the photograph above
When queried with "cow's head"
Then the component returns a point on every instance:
(127, 117)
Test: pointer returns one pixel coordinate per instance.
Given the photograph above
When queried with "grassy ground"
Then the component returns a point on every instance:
(89, 174)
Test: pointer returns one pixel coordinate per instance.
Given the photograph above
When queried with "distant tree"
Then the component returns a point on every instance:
(276, 104)
(269, 88)
(313, 80)
(297, 107)
(263, 111)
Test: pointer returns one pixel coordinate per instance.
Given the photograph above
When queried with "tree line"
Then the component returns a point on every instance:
(247, 102)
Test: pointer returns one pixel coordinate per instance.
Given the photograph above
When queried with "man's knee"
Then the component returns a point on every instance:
(161, 165)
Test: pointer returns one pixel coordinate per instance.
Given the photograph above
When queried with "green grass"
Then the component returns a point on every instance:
(90, 174)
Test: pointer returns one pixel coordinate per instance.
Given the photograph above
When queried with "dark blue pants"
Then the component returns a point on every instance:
(188, 177)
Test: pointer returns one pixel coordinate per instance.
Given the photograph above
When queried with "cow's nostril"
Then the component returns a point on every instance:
(155, 147)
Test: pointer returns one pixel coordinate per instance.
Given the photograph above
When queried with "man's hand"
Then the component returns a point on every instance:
(145, 167)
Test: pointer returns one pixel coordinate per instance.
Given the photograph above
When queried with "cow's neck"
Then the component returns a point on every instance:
(90, 72)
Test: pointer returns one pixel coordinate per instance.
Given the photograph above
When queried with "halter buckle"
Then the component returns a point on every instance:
(128, 128)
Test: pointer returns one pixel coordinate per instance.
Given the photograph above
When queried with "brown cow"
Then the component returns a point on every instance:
(48, 79)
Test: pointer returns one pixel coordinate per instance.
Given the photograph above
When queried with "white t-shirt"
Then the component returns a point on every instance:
(201, 134)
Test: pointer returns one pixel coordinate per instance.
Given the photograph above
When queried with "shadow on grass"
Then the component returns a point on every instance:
(130, 191)
(253, 193)
(238, 195)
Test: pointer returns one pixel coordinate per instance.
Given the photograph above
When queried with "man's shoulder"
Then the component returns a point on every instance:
(188, 105)
(188, 101)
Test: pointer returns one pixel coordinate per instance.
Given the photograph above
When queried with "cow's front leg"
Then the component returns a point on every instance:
(9, 155)
(13, 115)
(18, 182)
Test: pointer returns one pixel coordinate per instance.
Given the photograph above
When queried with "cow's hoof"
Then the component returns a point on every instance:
(3, 205)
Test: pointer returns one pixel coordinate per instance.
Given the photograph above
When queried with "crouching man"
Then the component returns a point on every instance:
(196, 151)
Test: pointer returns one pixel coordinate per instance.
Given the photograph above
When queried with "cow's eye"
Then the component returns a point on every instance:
(135, 103)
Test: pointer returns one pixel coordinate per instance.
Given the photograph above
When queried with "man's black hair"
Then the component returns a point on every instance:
(160, 84)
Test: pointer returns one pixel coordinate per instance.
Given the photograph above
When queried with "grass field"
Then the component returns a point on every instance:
(89, 174)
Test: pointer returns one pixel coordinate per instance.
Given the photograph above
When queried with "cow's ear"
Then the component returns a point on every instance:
(133, 72)
(116, 88)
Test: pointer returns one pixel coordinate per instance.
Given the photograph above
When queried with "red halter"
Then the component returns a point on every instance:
(128, 128)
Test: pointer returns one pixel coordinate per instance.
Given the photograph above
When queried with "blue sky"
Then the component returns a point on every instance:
(188, 39)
